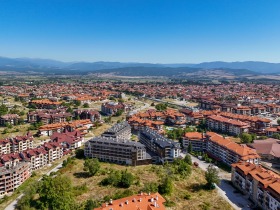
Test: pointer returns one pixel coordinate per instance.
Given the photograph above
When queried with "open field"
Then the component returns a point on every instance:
(193, 185)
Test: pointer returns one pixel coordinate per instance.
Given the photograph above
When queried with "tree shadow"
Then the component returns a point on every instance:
(81, 175)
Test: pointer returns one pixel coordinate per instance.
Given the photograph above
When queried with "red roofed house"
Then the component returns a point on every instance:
(141, 201)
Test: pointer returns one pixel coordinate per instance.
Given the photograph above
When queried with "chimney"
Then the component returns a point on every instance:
(111, 201)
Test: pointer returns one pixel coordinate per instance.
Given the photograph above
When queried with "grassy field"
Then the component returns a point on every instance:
(193, 185)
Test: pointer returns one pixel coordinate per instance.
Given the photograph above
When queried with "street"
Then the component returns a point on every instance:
(227, 191)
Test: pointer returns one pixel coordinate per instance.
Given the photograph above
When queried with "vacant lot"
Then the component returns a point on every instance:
(193, 185)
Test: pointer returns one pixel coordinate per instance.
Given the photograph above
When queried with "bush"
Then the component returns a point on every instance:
(166, 187)
(187, 196)
(150, 187)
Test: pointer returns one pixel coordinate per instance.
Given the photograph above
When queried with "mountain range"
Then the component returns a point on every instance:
(135, 69)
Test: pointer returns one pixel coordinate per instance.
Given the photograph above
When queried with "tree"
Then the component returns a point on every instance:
(119, 112)
(86, 105)
(190, 150)
(188, 159)
(161, 107)
(70, 110)
(92, 166)
(151, 187)
(79, 153)
(212, 176)
(278, 121)
(68, 118)
(3, 109)
(91, 204)
(166, 187)
(246, 138)
(55, 193)
(77, 103)
(126, 179)
(182, 168)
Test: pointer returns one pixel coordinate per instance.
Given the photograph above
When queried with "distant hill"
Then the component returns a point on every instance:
(139, 69)
(262, 67)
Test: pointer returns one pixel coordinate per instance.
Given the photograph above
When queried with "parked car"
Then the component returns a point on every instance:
(196, 164)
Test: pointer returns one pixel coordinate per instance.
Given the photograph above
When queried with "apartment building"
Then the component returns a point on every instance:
(16, 144)
(140, 201)
(116, 150)
(262, 186)
(120, 130)
(11, 177)
(227, 151)
(226, 125)
(163, 148)
(196, 139)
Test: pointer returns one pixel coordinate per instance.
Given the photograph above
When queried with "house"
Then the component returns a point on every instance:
(91, 114)
(268, 149)
(69, 140)
(11, 119)
(111, 108)
(140, 201)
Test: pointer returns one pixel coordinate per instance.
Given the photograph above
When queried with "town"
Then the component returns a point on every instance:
(229, 130)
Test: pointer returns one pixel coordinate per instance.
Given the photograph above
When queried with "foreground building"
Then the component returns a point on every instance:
(141, 201)
(163, 149)
(117, 150)
(260, 185)
(111, 108)
(12, 176)
(120, 130)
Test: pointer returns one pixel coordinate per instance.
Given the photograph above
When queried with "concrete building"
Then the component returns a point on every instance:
(117, 150)
(12, 176)
(120, 130)
(163, 149)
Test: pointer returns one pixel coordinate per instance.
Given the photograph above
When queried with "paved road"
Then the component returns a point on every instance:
(227, 191)
(12, 205)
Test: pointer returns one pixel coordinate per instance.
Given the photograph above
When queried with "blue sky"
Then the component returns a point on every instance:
(157, 31)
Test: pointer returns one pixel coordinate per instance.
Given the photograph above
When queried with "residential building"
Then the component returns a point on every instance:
(120, 130)
(116, 150)
(11, 119)
(163, 149)
(140, 201)
(262, 186)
